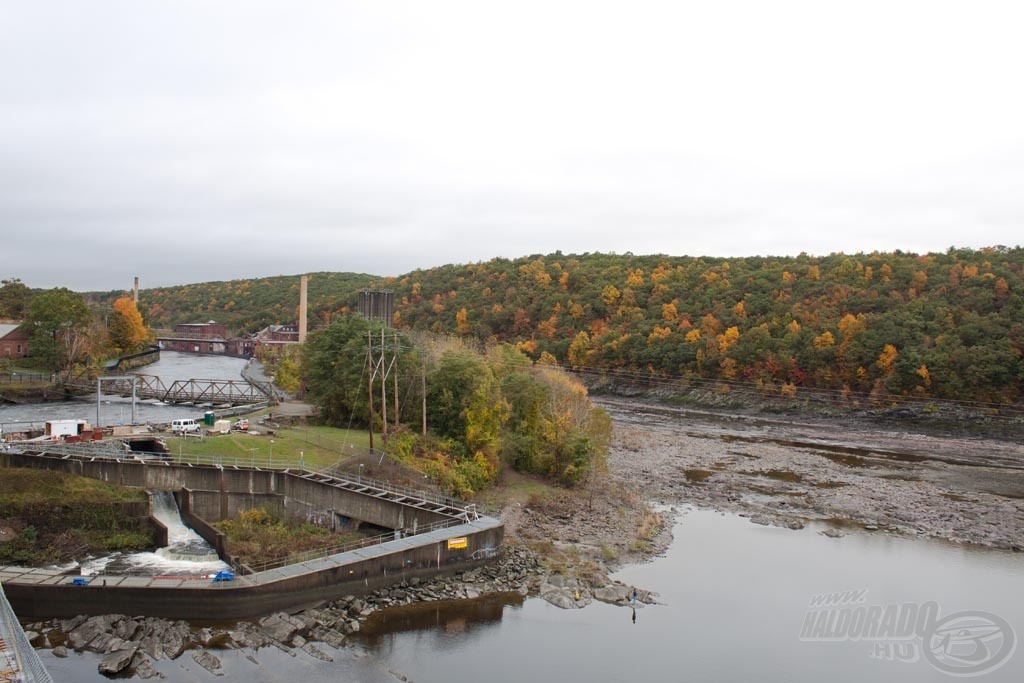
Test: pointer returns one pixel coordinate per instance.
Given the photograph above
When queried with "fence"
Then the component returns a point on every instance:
(25, 377)
(18, 660)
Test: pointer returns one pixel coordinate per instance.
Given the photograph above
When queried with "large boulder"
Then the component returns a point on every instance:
(117, 661)
(208, 661)
(280, 627)
(86, 632)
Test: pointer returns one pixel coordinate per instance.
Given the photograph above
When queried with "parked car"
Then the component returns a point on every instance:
(242, 425)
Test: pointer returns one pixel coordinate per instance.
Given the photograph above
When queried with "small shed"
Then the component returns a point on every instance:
(65, 428)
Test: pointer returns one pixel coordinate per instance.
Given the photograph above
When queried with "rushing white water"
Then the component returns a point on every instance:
(186, 553)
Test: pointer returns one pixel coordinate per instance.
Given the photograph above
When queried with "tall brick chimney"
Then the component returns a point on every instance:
(303, 285)
(135, 291)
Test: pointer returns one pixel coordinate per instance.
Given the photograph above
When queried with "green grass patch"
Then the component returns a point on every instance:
(29, 486)
(260, 535)
(314, 446)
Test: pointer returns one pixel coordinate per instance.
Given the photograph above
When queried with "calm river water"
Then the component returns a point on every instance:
(735, 600)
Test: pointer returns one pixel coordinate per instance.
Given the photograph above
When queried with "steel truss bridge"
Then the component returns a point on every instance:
(218, 391)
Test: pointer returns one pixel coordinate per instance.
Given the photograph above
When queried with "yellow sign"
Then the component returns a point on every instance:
(455, 543)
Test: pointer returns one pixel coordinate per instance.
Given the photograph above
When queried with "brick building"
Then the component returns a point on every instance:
(13, 341)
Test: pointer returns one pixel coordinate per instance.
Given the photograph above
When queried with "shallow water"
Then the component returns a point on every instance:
(734, 596)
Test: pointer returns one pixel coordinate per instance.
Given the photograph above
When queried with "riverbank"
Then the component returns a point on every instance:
(855, 476)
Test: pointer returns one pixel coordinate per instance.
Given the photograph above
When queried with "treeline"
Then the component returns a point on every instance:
(247, 305)
(947, 325)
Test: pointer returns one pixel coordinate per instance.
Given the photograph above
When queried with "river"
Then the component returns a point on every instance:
(117, 410)
(735, 598)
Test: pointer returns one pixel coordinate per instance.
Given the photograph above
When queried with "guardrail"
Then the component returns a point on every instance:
(318, 553)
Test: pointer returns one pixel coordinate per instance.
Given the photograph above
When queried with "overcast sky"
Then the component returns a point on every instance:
(190, 141)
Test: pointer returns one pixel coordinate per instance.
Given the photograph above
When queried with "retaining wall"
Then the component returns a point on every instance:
(228, 490)
(350, 573)
(211, 493)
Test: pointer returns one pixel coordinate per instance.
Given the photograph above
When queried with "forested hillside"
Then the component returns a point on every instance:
(247, 305)
(947, 325)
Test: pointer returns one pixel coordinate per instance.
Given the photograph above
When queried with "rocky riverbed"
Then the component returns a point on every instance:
(855, 474)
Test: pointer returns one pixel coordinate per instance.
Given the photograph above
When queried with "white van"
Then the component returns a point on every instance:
(185, 425)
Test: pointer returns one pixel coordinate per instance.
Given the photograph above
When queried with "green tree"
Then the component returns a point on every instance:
(14, 298)
(334, 364)
(59, 323)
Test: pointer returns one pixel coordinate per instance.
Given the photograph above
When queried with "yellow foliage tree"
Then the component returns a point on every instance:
(825, 340)
(886, 358)
(578, 349)
(462, 321)
(127, 331)
(669, 312)
(610, 295)
(728, 338)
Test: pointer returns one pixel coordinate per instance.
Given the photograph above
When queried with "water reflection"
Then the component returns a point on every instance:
(449, 616)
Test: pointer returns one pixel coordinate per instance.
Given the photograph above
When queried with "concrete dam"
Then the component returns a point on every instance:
(429, 536)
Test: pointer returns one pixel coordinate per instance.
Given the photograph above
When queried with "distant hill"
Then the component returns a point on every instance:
(945, 325)
(246, 305)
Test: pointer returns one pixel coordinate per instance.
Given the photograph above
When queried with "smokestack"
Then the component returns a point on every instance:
(135, 291)
(303, 285)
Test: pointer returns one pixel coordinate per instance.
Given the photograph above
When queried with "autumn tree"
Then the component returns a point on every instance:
(127, 332)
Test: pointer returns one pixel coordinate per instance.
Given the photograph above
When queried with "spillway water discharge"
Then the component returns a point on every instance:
(186, 553)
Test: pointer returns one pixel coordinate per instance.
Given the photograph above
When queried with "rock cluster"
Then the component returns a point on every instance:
(130, 645)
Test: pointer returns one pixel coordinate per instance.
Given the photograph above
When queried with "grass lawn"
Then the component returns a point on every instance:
(22, 486)
(313, 446)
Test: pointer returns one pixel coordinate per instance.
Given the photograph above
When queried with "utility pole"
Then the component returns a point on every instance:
(395, 363)
(369, 381)
(383, 393)
(423, 390)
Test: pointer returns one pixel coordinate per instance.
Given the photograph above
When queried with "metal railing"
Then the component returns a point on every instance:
(26, 377)
(105, 450)
(327, 551)
(30, 668)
